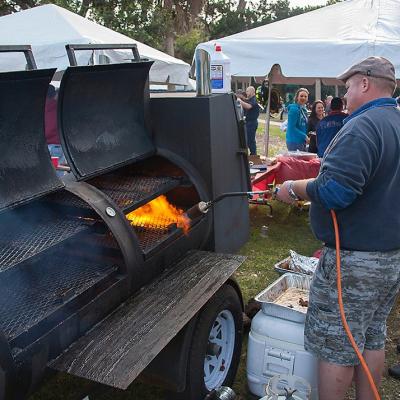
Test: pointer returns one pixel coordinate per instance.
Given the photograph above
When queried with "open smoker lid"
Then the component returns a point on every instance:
(102, 117)
(26, 171)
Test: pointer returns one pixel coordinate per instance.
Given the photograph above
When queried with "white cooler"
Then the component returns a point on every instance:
(276, 339)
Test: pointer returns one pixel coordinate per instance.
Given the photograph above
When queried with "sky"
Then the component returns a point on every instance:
(302, 3)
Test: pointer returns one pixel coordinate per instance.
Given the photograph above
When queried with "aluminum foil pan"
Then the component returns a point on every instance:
(302, 264)
(285, 284)
(298, 264)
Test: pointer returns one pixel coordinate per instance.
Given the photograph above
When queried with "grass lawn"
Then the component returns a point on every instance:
(288, 229)
(276, 138)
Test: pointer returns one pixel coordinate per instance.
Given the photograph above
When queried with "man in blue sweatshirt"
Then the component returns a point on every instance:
(359, 179)
(330, 125)
(251, 112)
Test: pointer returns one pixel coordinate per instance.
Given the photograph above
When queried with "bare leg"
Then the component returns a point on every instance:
(333, 380)
(375, 360)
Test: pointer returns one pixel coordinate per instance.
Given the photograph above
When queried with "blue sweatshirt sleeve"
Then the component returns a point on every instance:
(346, 169)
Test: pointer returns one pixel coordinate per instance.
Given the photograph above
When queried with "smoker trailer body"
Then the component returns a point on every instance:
(84, 289)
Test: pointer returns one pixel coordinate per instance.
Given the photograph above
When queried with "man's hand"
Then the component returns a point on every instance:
(299, 189)
(283, 194)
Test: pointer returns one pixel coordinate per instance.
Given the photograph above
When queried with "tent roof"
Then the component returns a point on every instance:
(320, 44)
(49, 28)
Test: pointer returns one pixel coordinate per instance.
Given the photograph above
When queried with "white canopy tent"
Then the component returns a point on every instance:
(49, 28)
(315, 46)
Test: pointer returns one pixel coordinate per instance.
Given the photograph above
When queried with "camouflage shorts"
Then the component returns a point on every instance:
(370, 282)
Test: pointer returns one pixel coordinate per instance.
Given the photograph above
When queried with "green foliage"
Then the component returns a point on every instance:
(227, 18)
(170, 25)
(144, 20)
(186, 43)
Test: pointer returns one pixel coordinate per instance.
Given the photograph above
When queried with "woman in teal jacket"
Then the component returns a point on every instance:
(296, 131)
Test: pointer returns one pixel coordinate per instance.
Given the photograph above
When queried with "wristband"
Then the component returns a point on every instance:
(291, 192)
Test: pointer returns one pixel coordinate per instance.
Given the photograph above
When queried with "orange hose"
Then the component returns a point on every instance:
(342, 314)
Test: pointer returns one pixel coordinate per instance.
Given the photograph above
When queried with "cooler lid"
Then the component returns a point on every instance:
(102, 117)
(26, 171)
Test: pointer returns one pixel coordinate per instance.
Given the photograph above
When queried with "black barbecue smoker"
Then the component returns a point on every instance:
(87, 284)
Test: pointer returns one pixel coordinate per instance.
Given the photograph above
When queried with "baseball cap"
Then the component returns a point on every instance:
(378, 67)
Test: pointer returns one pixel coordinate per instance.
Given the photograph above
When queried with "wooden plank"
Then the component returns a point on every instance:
(116, 350)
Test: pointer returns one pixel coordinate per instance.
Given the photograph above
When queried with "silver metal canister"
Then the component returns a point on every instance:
(203, 80)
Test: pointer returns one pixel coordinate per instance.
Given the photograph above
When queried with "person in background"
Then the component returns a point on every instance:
(296, 132)
(251, 112)
(317, 113)
(285, 106)
(51, 127)
(359, 170)
(330, 125)
(262, 94)
(240, 96)
(328, 104)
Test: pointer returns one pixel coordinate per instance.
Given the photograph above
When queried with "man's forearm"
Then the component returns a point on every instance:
(245, 105)
(300, 188)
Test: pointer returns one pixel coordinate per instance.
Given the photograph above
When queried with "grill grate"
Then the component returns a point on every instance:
(149, 238)
(130, 192)
(31, 293)
(30, 239)
(66, 199)
(159, 223)
(151, 234)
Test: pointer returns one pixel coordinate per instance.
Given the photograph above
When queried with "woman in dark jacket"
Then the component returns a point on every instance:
(317, 113)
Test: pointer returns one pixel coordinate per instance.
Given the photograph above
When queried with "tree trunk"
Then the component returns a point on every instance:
(170, 35)
(242, 5)
(195, 8)
(169, 44)
(84, 7)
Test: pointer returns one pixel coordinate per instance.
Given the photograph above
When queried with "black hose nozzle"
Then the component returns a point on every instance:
(202, 207)
(198, 210)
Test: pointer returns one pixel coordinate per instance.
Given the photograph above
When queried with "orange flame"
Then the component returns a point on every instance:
(159, 214)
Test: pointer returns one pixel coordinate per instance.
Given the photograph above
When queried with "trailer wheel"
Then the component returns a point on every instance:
(216, 344)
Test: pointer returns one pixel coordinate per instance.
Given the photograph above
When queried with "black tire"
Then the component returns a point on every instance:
(227, 301)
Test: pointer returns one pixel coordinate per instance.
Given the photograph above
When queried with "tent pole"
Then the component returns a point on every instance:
(318, 89)
(267, 117)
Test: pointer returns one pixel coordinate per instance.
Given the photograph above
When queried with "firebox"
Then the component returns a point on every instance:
(75, 248)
